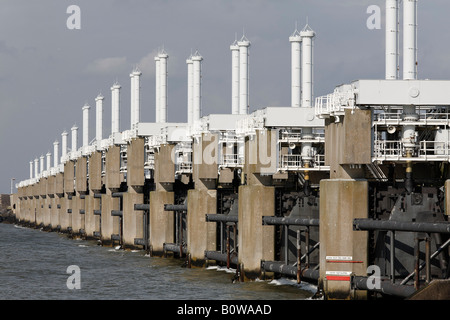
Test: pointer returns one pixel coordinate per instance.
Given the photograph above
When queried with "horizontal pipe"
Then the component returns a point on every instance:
(141, 206)
(175, 207)
(389, 225)
(116, 213)
(139, 241)
(289, 270)
(97, 212)
(386, 287)
(269, 220)
(117, 194)
(221, 218)
(173, 247)
(222, 257)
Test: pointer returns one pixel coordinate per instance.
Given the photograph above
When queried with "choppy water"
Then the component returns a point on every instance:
(33, 265)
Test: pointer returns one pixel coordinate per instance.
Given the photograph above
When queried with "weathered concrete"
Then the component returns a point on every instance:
(109, 225)
(341, 201)
(161, 222)
(201, 235)
(132, 219)
(256, 241)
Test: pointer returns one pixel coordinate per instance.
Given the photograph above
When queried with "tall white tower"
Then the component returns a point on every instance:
(56, 154)
(41, 164)
(36, 168)
(234, 77)
(49, 161)
(197, 86)
(85, 109)
(295, 40)
(135, 97)
(307, 35)
(163, 56)
(115, 108)
(409, 39)
(31, 169)
(99, 118)
(157, 94)
(190, 88)
(74, 138)
(391, 39)
(244, 45)
(64, 145)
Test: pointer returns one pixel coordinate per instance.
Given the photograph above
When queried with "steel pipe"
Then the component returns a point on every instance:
(221, 218)
(175, 207)
(222, 257)
(269, 220)
(116, 213)
(141, 206)
(386, 287)
(388, 225)
(289, 270)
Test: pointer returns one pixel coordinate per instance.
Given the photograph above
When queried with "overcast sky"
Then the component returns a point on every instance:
(48, 72)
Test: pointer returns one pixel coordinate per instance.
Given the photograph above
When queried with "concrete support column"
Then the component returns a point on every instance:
(92, 222)
(201, 235)
(109, 224)
(133, 219)
(162, 222)
(256, 242)
(341, 201)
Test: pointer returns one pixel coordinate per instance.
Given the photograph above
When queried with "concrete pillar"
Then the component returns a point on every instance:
(92, 222)
(256, 242)
(256, 199)
(201, 235)
(341, 201)
(162, 222)
(447, 198)
(110, 225)
(133, 219)
(343, 198)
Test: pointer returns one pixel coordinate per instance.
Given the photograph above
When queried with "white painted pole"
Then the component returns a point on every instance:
(157, 93)
(85, 109)
(234, 78)
(99, 118)
(409, 39)
(55, 154)
(115, 108)
(36, 168)
(391, 39)
(74, 138)
(49, 161)
(137, 96)
(132, 101)
(244, 45)
(64, 144)
(190, 76)
(197, 83)
(307, 35)
(295, 41)
(31, 169)
(163, 87)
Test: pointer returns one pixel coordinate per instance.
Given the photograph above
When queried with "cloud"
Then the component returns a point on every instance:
(108, 66)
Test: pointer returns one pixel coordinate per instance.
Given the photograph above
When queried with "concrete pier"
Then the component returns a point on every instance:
(161, 222)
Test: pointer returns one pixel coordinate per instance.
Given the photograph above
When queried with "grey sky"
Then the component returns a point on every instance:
(48, 72)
